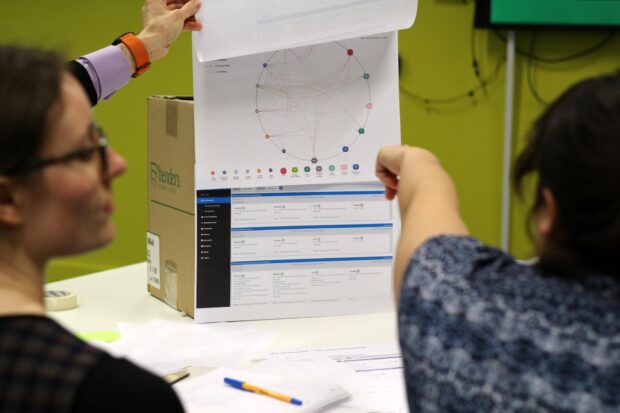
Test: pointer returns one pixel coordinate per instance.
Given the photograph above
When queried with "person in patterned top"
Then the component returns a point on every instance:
(56, 174)
(482, 332)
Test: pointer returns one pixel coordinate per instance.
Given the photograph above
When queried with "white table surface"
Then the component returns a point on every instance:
(120, 295)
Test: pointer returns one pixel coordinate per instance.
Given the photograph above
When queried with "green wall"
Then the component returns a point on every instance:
(436, 63)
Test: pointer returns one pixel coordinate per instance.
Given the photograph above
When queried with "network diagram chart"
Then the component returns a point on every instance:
(313, 103)
(312, 114)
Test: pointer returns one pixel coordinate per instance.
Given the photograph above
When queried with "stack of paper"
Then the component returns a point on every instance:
(164, 346)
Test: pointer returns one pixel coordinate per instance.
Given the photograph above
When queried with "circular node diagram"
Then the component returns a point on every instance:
(313, 102)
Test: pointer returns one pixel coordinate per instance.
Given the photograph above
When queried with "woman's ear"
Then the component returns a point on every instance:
(546, 215)
(10, 206)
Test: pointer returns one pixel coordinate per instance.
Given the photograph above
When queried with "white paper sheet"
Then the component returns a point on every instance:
(244, 27)
(163, 346)
(311, 115)
(372, 374)
(209, 393)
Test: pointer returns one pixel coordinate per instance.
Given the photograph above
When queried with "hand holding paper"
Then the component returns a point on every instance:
(163, 22)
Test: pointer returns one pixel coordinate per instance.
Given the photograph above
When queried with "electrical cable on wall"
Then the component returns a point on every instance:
(469, 94)
(530, 75)
(589, 50)
(532, 58)
(474, 56)
(484, 82)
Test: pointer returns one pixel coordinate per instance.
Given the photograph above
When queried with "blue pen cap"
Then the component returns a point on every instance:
(235, 383)
(296, 402)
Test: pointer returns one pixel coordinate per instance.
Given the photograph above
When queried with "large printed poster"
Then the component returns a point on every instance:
(310, 115)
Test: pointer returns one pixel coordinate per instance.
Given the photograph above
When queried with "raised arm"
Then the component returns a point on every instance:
(104, 71)
(427, 200)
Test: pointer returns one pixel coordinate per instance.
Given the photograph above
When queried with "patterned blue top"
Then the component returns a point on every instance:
(480, 332)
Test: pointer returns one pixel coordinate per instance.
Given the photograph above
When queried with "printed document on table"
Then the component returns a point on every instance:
(243, 27)
(372, 374)
(209, 393)
(310, 115)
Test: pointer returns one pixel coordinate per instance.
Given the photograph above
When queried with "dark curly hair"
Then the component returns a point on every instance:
(574, 150)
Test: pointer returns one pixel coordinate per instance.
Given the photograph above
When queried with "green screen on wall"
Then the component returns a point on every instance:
(603, 13)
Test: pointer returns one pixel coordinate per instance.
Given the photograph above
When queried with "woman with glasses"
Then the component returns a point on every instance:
(56, 173)
(481, 332)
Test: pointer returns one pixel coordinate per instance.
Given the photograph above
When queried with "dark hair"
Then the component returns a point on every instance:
(29, 89)
(575, 152)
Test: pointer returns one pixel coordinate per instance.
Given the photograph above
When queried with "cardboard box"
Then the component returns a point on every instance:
(170, 237)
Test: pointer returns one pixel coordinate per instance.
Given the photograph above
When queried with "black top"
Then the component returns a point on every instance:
(83, 77)
(44, 368)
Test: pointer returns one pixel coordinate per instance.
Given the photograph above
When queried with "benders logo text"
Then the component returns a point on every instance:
(161, 176)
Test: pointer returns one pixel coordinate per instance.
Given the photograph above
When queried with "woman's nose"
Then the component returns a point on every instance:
(117, 165)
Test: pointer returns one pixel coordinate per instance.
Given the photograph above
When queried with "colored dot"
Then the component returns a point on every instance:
(314, 160)
(283, 171)
(267, 136)
(258, 85)
(236, 172)
(343, 167)
(224, 172)
(247, 171)
(345, 149)
(369, 105)
(350, 52)
(319, 168)
(295, 169)
(356, 166)
(259, 170)
(332, 167)
(361, 131)
(283, 150)
(264, 64)
(366, 76)
(307, 169)
(270, 170)
(256, 111)
(212, 173)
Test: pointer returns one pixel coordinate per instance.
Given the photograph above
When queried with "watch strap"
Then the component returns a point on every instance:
(138, 51)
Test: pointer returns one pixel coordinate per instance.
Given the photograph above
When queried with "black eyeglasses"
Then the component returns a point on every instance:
(85, 154)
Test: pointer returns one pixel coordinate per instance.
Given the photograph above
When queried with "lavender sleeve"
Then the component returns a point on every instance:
(108, 69)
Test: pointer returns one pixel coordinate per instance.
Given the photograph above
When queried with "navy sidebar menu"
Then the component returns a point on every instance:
(213, 252)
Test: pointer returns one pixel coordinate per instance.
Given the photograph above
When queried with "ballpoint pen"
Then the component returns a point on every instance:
(238, 384)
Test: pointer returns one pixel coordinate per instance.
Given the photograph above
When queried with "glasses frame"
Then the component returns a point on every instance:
(100, 147)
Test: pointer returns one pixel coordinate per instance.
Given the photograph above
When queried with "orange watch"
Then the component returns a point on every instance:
(138, 51)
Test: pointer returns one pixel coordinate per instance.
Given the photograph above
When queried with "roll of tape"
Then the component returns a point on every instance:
(56, 300)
